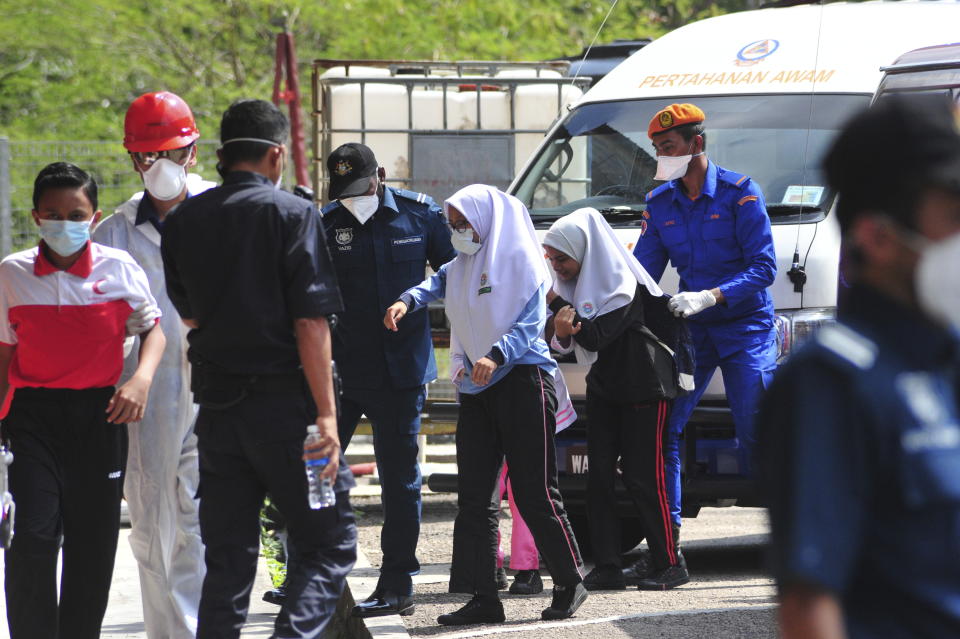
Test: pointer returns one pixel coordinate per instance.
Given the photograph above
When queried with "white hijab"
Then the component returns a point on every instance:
(608, 273)
(486, 292)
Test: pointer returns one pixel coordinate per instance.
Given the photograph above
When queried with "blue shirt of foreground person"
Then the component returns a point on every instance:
(859, 436)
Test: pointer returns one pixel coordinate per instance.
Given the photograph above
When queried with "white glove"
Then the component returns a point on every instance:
(687, 304)
(142, 319)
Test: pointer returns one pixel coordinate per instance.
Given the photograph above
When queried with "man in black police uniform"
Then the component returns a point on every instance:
(248, 270)
(860, 433)
(381, 239)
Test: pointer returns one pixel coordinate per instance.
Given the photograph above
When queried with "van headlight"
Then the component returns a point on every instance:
(796, 327)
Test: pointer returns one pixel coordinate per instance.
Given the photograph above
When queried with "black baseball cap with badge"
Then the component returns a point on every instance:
(350, 168)
(888, 154)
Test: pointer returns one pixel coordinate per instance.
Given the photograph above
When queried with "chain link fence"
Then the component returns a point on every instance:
(107, 162)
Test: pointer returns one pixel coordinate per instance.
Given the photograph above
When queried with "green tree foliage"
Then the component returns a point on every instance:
(69, 68)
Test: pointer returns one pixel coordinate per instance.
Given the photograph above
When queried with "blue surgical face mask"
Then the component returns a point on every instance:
(65, 237)
(462, 241)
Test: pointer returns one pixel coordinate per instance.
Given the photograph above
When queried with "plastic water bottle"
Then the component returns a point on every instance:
(319, 490)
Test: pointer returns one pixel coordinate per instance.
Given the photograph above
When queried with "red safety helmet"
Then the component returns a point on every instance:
(158, 122)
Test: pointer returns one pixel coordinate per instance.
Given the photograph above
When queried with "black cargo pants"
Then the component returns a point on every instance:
(247, 449)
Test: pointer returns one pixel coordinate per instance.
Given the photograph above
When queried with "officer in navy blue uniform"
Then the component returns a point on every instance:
(248, 270)
(859, 436)
(381, 239)
(712, 225)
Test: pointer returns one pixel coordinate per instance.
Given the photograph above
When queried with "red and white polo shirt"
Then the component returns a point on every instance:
(68, 326)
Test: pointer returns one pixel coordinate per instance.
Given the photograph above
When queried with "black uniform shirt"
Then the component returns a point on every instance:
(245, 260)
(630, 367)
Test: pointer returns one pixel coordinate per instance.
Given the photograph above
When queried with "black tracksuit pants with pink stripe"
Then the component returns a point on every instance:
(634, 434)
(514, 418)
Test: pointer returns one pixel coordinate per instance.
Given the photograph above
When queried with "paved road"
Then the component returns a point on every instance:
(124, 619)
(729, 595)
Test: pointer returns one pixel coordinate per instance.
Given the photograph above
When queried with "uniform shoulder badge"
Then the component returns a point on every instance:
(419, 198)
(848, 345)
(663, 188)
(736, 179)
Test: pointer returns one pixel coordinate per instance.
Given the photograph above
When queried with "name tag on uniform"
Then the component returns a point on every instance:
(413, 239)
(484, 288)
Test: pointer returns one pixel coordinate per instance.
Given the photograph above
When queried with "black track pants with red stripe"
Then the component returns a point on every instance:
(632, 433)
(514, 418)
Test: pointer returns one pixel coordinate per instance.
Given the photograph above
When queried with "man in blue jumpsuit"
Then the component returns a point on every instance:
(859, 436)
(712, 225)
(381, 239)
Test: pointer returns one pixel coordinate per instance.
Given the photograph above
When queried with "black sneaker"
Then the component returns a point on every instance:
(604, 578)
(276, 596)
(566, 600)
(526, 582)
(669, 577)
(477, 610)
(642, 568)
(501, 579)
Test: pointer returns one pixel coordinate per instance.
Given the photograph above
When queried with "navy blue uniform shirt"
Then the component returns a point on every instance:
(245, 260)
(376, 262)
(860, 459)
(721, 240)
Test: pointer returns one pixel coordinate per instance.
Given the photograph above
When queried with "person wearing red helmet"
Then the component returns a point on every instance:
(162, 474)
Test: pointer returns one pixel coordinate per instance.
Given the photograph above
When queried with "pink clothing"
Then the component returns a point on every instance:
(523, 550)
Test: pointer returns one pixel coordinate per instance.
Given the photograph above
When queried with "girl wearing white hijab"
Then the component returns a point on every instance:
(495, 292)
(603, 301)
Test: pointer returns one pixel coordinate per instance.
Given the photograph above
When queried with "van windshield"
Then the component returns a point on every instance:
(601, 156)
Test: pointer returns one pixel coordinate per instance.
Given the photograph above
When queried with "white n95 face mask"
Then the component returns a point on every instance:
(362, 207)
(937, 290)
(673, 167)
(165, 179)
(462, 241)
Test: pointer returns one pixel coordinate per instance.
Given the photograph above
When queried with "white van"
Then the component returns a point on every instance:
(776, 85)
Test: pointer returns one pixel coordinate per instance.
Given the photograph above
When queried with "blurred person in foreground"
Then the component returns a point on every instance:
(860, 433)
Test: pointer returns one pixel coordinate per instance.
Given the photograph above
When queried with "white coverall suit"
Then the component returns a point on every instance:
(162, 465)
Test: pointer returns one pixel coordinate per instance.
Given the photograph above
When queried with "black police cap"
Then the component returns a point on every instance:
(888, 153)
(350, 167)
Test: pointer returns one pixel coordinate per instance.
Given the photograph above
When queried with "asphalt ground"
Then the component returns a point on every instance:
(729, 595)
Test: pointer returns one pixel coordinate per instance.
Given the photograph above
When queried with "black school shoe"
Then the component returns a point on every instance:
(669, 577)
(604, 578)
(566, 600)
(501, 579)
(526, 582)
(477, 610)
(383, 603)
(276, 596)
(643, 568)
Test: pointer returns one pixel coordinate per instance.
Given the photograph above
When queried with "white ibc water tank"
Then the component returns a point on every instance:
(387, 107)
